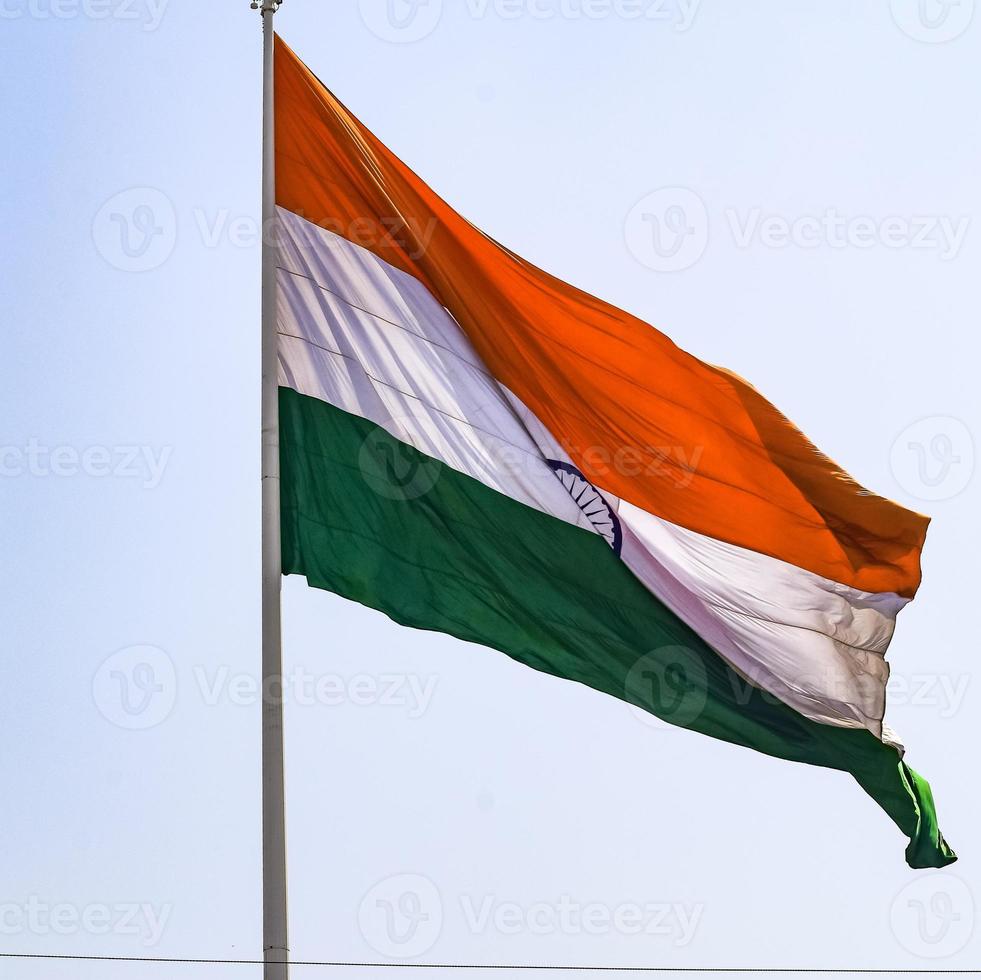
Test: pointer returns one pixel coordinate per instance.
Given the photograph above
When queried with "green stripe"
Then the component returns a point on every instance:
(374, 520)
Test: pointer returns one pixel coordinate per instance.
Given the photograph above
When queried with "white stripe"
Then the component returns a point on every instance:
(816, 644)
(423, 394)
(370, 339)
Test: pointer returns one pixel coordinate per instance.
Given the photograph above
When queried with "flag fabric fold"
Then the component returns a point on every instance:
(472, 446)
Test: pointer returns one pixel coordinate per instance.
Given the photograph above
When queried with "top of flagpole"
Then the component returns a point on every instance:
(266, 6)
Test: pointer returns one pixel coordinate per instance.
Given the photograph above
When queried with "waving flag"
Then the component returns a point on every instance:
(473, 446)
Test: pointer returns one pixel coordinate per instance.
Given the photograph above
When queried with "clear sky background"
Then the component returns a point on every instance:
(826, 158)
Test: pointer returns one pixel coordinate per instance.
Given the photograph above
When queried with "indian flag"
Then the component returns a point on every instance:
(472, 446)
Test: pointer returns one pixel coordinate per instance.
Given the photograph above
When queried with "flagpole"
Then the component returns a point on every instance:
(274, 891)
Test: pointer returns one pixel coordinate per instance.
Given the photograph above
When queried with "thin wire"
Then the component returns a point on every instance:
(480, 966)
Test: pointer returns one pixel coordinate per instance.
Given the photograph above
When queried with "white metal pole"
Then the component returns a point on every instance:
(274, 890)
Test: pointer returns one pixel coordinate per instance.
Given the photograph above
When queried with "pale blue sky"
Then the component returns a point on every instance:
(516, 795)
